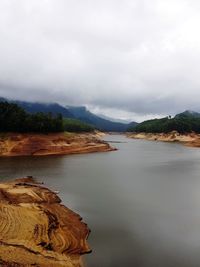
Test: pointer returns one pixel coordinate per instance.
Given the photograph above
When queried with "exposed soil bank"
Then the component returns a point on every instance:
(14, 144)
(190, 139)
(36, 230)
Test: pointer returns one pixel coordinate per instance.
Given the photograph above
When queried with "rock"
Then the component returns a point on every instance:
(36, 229)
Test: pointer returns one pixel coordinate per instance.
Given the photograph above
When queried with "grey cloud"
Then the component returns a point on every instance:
(138, 56)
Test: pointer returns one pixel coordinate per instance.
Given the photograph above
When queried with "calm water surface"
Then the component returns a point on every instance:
(141, 202)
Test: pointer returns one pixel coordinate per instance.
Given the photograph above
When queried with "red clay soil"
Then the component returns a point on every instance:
(36, 230)
(188, 139)
(50, 144)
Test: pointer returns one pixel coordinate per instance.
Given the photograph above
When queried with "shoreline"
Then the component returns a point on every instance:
(37, 229)
(34, 144)
(189, 139)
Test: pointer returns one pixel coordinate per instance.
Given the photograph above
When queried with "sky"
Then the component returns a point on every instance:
(127, 59)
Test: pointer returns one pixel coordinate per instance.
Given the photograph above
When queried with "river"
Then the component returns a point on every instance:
(141, 202)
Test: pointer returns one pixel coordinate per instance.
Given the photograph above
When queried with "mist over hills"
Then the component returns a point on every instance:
(186, 121)
(113, 119)
(85, 115)
(34, 107)
(81, 113)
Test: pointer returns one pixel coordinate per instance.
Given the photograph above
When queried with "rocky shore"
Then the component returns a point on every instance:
(12, 144)
(36, 229)
(190, 139)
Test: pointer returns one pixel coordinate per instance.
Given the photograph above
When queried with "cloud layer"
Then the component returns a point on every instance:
(131, 57)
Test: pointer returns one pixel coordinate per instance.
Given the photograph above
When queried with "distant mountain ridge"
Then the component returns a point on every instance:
(54, 108)
(113, 119)
(34, 107)
(85, 115)
(81, 113)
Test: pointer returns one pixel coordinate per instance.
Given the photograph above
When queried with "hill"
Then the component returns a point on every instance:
(113, 119)
(186, 122)
(53, 108)
(102, 124)
(35, 107)
(132, 125)
(76, 114)
(188, 114)
(13, 118)
(77, 126)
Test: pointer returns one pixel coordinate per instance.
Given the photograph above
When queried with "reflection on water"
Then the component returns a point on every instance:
(141, 202)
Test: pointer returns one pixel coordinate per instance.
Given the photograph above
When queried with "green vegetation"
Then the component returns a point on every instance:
(181, 124)
(73, 125)
(15, 119)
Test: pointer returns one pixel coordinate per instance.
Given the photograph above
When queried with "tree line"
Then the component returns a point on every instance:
(74, 125)
(15, 119)
(182, 124)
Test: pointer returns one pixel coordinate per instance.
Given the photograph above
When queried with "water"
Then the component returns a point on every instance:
(141, 202)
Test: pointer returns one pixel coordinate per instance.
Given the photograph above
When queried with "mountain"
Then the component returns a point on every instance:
(132, 125)
(13, 118)
(53, 108)
(81, 113)
(102, 124)
(34, 107)
(188, 114)
(113, 119)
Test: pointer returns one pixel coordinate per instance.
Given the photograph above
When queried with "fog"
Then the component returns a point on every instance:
(130, 59)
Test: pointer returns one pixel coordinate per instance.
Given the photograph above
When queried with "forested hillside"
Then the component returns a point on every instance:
(74, 125)
(79, 113)
(182, 124)
(15, 119)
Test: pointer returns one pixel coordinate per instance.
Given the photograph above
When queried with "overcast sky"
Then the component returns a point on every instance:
(131, 59)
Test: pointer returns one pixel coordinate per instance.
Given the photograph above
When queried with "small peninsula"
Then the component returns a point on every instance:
(183, 128)
(26, 144)
(36, 229)
(42, 134)
(188, 139)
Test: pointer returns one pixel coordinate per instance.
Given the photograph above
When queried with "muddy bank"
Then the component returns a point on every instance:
(36, 230)
(12, 144)
(190, 139)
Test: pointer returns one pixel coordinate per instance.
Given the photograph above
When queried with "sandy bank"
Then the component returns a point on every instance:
(51, 144)
(36, 230)
(190, 139)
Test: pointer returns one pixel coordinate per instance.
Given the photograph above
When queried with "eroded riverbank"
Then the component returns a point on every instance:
(141, 202)
(189, 139)
(14, 144)
(36, 229)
